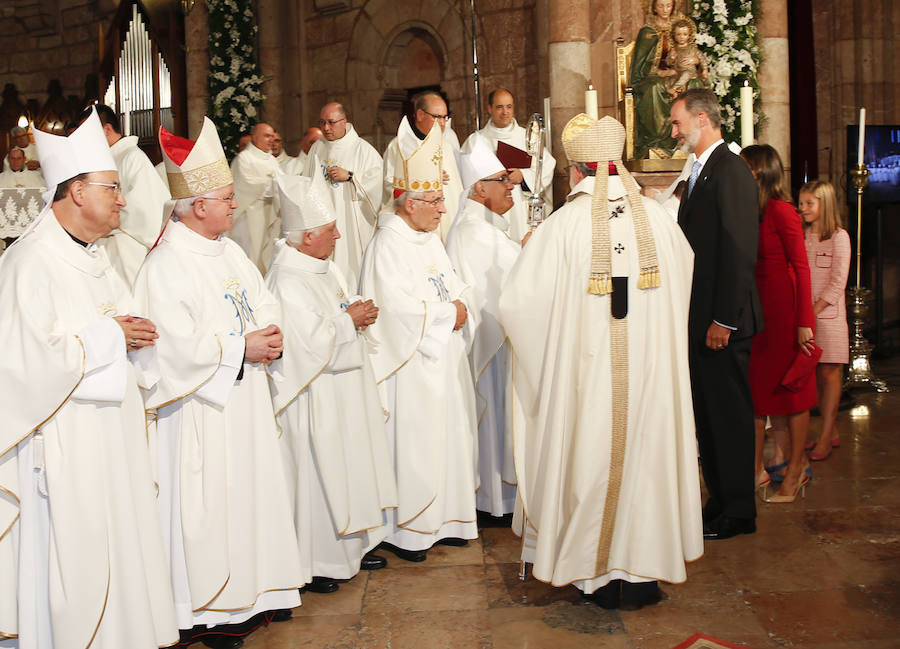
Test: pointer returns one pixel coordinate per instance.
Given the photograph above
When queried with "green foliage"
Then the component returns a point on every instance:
(727, 35)
(235, 79)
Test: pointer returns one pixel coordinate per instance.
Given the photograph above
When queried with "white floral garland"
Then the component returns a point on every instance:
(727, 35)
(235, 79)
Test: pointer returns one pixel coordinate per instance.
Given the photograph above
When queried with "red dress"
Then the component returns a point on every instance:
(782, 278)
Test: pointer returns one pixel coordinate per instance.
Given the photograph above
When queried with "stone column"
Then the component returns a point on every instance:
(569, 62)
(774, 78)
(196, 35)
(269, 18)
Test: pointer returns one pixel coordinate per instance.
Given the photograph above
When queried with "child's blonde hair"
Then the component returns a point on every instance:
(830, 216)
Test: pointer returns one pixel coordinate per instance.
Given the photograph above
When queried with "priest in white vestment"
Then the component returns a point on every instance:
(17, 174)
(19, 138)
(223, 495)
(502, 127)
(333, 438)
(596, 311)
(421, 366)
(256, 222)
(145, 196)
(482, 254)
(81, 552)
(430, 108)
(352, 167)
(289, 164)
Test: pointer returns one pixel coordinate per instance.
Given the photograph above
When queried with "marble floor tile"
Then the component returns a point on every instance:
(445, 588)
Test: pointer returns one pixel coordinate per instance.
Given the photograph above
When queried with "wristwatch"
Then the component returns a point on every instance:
(349, 176)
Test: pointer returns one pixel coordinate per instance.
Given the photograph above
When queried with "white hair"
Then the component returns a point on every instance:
(400, 202)
(295, 237)
(183, 207)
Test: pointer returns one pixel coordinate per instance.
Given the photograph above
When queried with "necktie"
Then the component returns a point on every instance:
(695, 171)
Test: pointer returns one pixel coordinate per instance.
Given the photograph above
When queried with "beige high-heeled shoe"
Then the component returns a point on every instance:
(785, 498)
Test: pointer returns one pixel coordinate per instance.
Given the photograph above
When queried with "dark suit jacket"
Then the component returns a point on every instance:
(720, 219)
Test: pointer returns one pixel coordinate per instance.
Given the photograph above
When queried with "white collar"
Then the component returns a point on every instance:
(179, 234)
(394, 222)
(703, 157)
(480, 210)
(289, 256)
(614, 188)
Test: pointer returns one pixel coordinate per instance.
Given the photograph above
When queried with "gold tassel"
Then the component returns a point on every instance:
(649, 278)
(600, 285)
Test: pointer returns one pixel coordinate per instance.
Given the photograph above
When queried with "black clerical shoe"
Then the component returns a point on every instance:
(724, 527)
(223, 642)
(454, 541)
(372, 561)
(281, 615)
(608, 597)
(638, 595)
(322, 585)
(416, 556)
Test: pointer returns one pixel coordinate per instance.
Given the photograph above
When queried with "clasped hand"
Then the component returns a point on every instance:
(363, 313)
(462, 314)
(263, 345)
(806, 339)
(139, 332)
(338, 174)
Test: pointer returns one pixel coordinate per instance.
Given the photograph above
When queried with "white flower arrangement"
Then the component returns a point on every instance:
(726, 33)
(234, 79)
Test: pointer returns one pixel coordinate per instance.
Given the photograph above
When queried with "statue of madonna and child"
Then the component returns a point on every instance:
(666, 62)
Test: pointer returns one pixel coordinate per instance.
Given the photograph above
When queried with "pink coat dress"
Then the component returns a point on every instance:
(829, 265)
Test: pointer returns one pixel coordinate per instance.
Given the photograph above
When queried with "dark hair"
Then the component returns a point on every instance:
(420, 100)
(702, 100)
(765, 163)
(62, 189)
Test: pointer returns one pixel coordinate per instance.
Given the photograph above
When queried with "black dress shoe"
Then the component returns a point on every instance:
(281, 615)
(638, 595)
(724, 527)
(371, 561)
(223, 642)
(454, 541)
(608, 597)
(322, 585)
(416, 556)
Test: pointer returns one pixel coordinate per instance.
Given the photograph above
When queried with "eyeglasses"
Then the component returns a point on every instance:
(434, 203)
(116, 189)
(330, 122)
(228, 199)
(440, 118)
(502, 179)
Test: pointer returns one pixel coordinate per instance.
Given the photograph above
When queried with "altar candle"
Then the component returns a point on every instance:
(590, 102)
(126, 113)
(746, 115)
(862, 137)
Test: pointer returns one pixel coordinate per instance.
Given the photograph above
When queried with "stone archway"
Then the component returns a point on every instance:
(397, 45)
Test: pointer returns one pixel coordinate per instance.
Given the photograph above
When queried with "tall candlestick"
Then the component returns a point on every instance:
(590, 102)
(746, 115)
(862, 136)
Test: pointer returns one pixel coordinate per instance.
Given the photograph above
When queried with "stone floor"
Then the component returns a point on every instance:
(822, 573)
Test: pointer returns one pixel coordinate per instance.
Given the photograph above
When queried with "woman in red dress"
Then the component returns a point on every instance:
(783, 281)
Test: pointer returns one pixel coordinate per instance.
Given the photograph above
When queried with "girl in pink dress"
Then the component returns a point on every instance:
(828, 250)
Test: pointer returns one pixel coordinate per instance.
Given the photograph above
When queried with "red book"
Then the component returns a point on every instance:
(512, 157)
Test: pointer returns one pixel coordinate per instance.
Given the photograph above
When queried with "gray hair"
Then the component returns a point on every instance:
(702, 100)
(400, 202)
(583, 169)
(183, 207)
(295, 237)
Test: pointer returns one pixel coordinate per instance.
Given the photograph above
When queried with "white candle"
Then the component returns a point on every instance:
(746, 115)
(126, 113)
(862, 137)
(590, 102)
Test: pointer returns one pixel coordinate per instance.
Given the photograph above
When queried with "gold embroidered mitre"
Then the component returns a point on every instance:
(423, 165)
(194, 168)
(600, 142)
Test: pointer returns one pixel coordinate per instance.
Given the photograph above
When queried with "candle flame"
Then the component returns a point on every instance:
(23, 121)
(590, 86)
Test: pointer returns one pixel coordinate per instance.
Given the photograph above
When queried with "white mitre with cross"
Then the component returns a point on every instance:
(304, 202)
(423, 168)
(479, 163)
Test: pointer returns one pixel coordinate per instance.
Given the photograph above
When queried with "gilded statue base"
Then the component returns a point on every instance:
(655, 164)
(859, 371)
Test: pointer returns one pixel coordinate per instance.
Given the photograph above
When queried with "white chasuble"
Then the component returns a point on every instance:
(482, 255)
(421, 366)
(333, 439)
(141, 220)
(514, 135)
(256, 220)
(81, 552)
(223, 496)
(355, 202)
(588, 521)
(393, 165)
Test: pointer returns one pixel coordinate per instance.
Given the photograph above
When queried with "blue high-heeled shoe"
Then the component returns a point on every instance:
(778, 478)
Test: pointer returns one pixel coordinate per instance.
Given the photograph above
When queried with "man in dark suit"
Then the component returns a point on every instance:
(719, 217)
